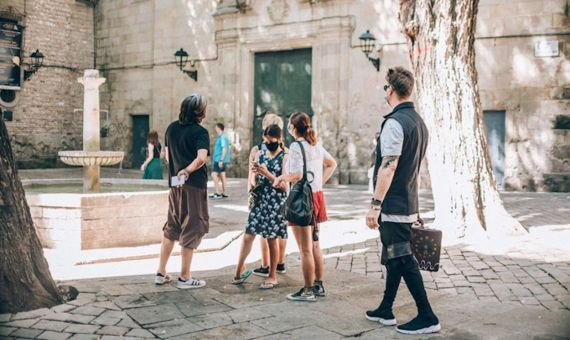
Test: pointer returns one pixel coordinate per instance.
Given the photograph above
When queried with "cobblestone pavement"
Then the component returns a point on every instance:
(133, 307)
(466, 273)
(521, 292)
(523, 275)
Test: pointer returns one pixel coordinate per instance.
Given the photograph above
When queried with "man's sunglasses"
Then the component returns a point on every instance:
(386, 87)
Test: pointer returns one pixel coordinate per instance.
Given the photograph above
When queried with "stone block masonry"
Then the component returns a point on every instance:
(46, 119)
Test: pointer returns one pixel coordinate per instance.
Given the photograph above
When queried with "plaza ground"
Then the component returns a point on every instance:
(516, 288)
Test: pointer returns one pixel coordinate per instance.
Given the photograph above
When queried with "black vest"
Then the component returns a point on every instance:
(402, 197)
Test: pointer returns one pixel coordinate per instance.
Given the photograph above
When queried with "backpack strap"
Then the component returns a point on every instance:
(304, 160)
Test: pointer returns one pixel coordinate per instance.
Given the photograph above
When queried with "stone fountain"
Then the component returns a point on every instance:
(74, 222)
(91, 157)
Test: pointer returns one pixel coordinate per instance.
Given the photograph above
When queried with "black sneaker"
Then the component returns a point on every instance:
(385, 317)
(215, 196)
(420, 325)
(224, 195)
(261, 271)
(305, 294)
(319, 289)
(281, 268)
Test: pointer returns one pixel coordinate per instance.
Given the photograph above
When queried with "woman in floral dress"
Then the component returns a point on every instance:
(265, 216)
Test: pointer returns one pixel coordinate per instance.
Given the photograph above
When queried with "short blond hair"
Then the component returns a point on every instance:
(271, 119)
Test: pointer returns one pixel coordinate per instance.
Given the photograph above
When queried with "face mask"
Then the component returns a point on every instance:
(272, 146)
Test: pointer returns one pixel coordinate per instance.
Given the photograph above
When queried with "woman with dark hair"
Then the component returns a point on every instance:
(152, 166)
(307, 237)
(265, 217)
(270, 118)
(187, 146)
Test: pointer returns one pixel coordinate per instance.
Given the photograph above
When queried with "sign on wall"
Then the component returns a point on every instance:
(546, 48)
(10, 55)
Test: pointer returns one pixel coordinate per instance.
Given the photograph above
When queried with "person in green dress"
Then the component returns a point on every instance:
(152, 166)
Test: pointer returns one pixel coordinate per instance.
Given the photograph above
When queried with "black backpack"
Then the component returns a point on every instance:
(298, 208)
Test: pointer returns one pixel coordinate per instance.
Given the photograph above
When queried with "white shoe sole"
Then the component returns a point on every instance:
(260, 275)
(428, 330)
(161, 283)
(302, 300)
(189, 287)
(385, 322)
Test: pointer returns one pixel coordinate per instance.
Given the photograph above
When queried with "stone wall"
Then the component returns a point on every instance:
(531, 90)
(47, 117)
(92, 221)
(136, 41)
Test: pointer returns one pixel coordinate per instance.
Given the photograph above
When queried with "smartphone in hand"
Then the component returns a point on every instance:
(177, 181)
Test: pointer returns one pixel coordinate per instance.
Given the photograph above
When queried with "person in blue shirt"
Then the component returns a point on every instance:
(221, 161)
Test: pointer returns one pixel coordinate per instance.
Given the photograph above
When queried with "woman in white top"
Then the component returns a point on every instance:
(320, 167)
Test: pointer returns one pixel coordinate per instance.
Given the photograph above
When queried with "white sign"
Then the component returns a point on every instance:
(546, 48)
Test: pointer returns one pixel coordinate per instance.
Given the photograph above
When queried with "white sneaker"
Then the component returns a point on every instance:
(190, 284)
(160, 279)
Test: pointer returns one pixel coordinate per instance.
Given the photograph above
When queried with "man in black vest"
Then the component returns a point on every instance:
(394, 208)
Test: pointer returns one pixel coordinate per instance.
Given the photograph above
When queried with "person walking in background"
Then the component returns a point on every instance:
(152, 167)
(187, 145)
(307, 237)
(221, 161)
(395, 205)
(263, 271)
(265, 217)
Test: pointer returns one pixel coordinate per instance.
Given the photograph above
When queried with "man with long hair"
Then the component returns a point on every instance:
(187, 145)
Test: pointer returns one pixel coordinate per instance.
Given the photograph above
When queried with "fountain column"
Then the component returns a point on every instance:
(91, 126)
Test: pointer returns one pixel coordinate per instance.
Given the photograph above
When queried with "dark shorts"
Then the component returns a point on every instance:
(218, 169)
(188, 218)
(395, 238)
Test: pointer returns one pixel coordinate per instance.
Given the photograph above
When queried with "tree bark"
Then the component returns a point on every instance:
(25, 280)
(441, 36)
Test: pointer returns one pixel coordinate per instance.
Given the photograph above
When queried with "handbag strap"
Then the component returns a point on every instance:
(304, 160)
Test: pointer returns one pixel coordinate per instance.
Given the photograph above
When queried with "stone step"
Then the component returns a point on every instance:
(107, 255)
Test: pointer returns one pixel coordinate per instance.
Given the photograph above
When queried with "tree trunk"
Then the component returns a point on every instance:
(25, 280)
(440, 36)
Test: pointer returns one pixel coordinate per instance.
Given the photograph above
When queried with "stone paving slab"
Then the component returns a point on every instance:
(222, 310)
(523, 293)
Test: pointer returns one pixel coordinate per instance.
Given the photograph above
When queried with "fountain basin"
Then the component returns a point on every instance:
(88, 158)
(75, 221)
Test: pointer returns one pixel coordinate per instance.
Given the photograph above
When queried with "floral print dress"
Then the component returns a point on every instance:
(265, 218)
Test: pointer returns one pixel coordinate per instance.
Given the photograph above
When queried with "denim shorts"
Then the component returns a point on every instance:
(217, 167)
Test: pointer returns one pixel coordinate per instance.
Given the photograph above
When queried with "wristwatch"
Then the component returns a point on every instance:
(376, 202)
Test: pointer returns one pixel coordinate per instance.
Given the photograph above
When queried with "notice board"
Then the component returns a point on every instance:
(10, 54)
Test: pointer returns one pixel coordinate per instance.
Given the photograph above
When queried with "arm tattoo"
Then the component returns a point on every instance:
(388, 160)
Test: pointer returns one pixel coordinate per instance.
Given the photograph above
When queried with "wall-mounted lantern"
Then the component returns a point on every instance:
(368, 44)
(37, 58)
(181, 58)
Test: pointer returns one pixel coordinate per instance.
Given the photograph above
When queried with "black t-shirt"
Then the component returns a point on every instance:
(183, 142)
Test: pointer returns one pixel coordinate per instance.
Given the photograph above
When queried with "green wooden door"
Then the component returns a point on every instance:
(140, 133)
(282, 85)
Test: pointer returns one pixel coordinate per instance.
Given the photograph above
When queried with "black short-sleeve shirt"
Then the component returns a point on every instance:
(183, 142)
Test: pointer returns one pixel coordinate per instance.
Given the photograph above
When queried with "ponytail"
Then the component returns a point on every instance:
(311, 136)
(302, 123)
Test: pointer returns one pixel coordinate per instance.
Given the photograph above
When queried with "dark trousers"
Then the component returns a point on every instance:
(400, 263)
